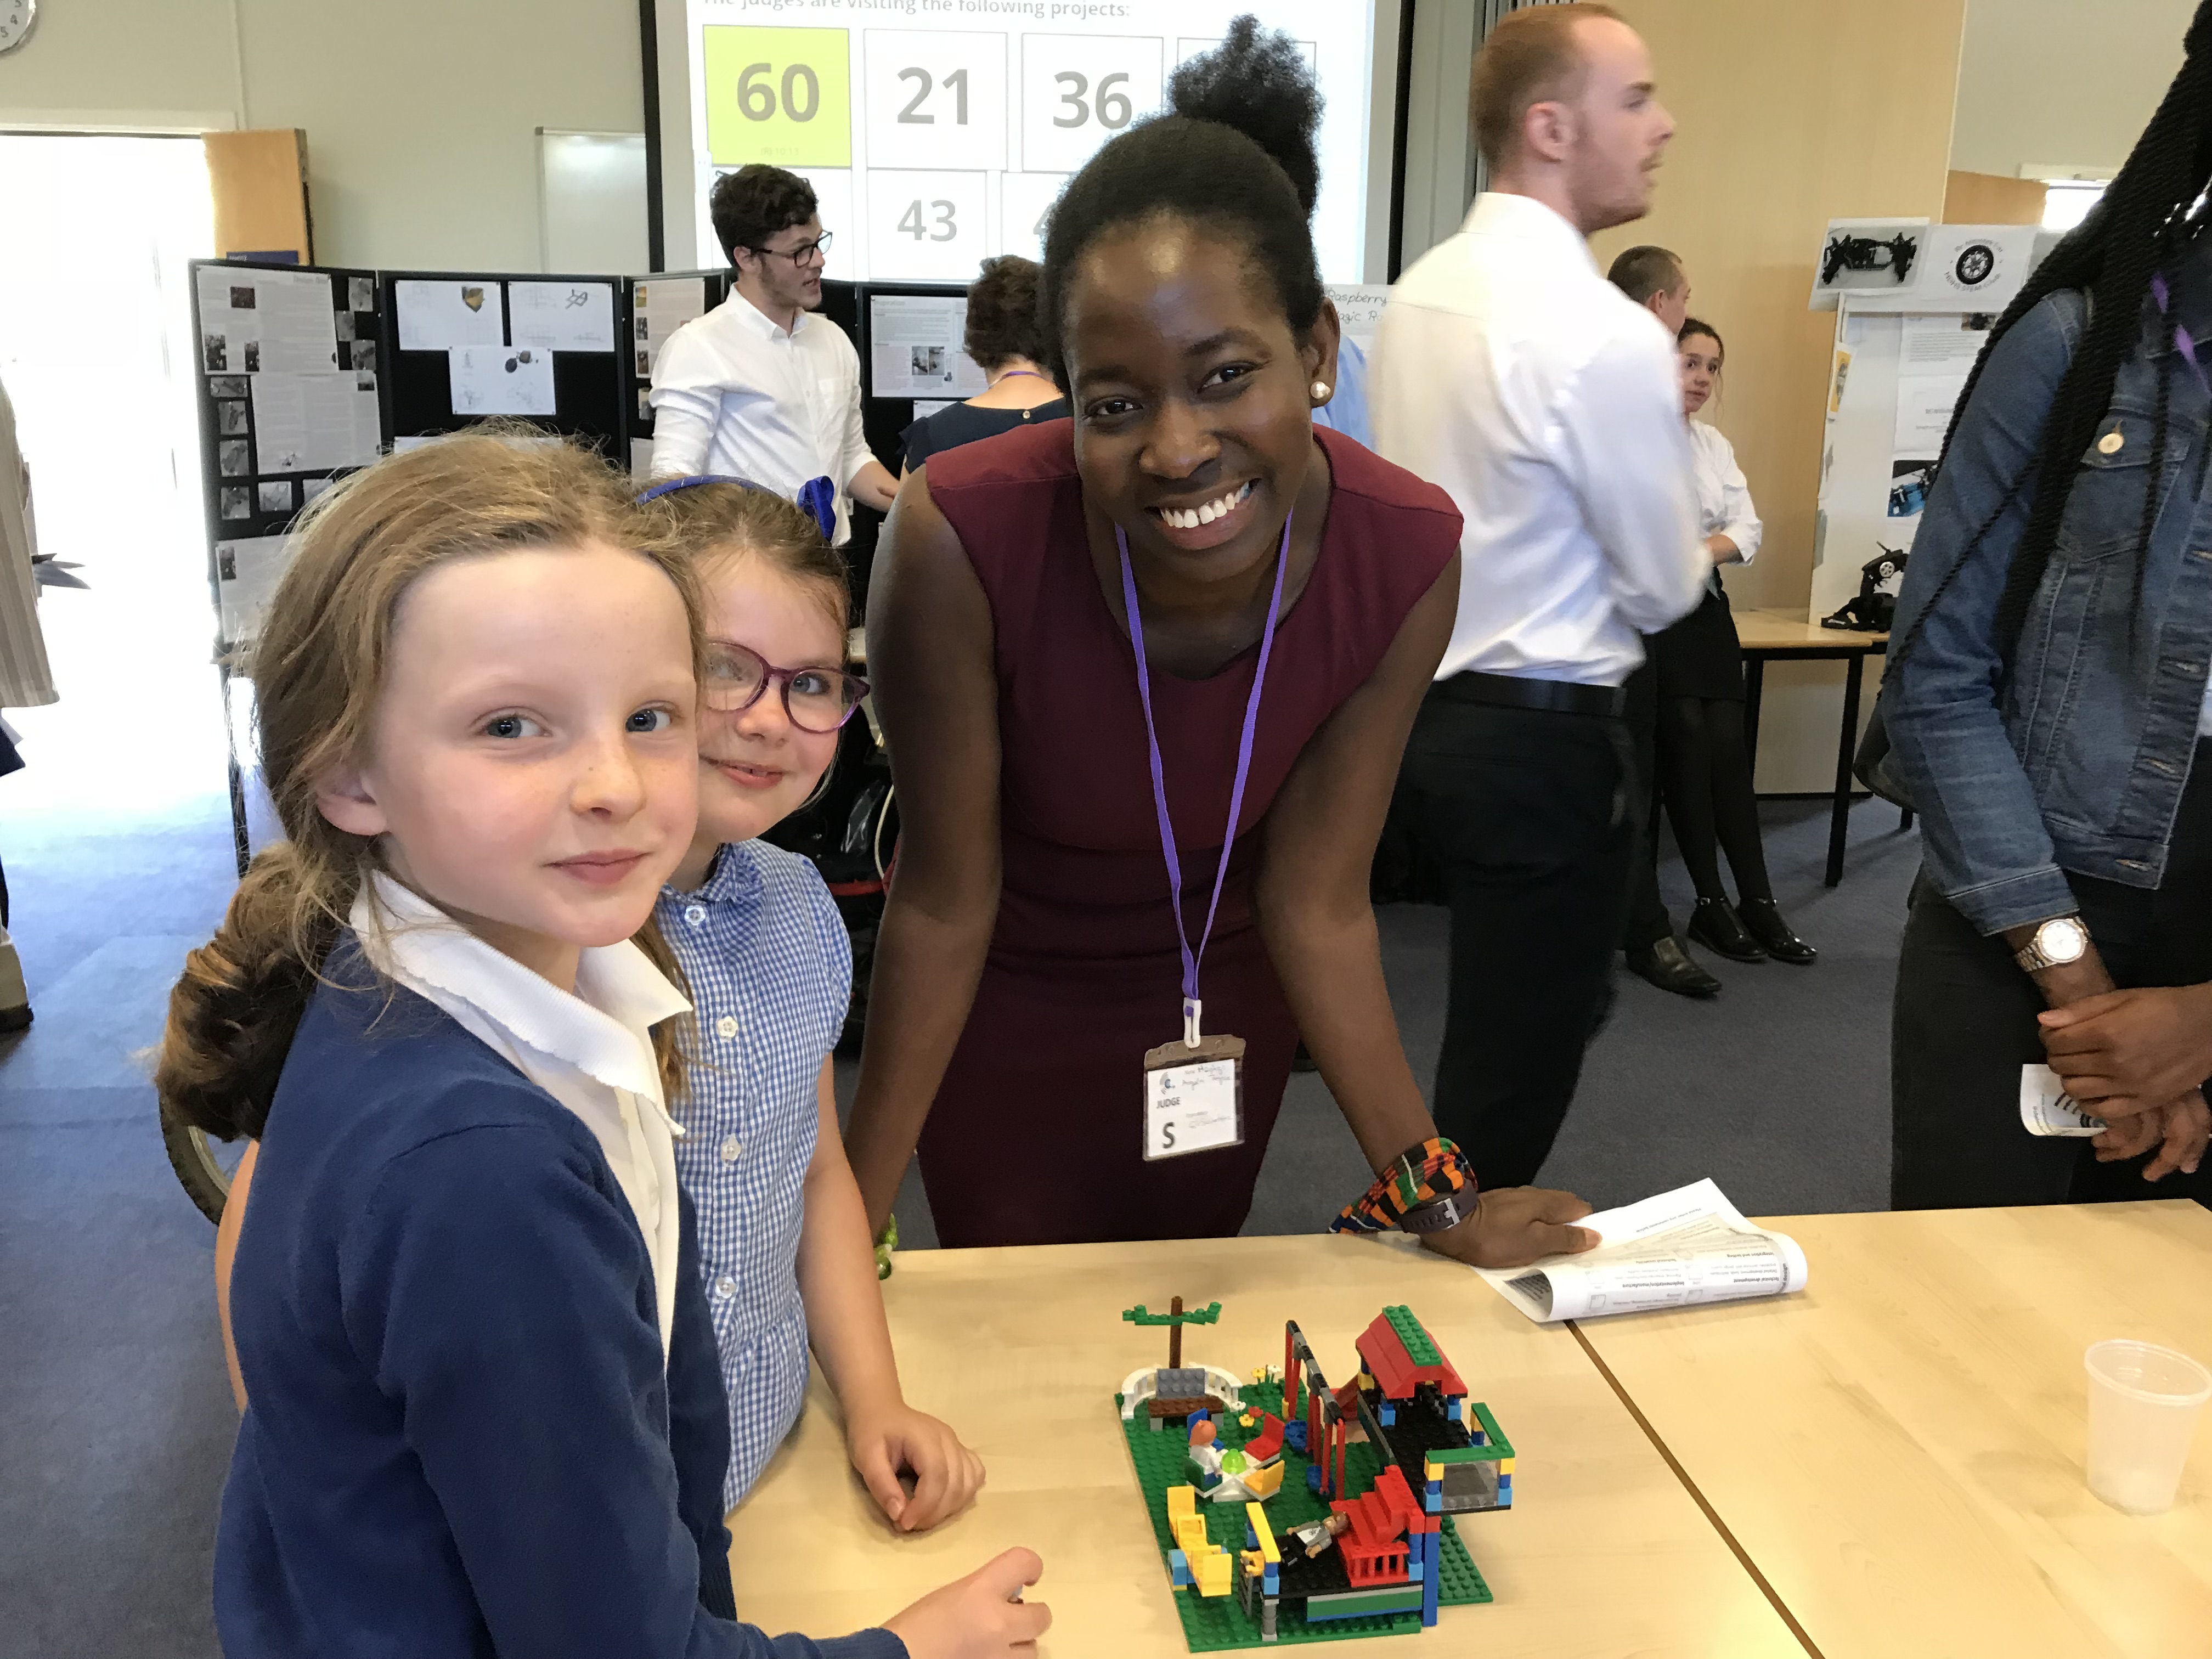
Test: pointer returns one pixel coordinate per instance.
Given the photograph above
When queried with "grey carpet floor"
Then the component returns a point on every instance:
(119, 1422)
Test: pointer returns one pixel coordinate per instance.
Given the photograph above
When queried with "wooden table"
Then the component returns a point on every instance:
(1769, 634)
(1898, 1451)
(1603, 1554)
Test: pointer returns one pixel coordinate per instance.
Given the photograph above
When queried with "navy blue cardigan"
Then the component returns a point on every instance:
(462, 1438)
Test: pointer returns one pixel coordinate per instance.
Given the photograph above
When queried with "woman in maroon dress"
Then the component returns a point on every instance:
(1030, 957)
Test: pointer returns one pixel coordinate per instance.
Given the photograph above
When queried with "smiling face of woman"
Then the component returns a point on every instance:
(1194, 427)
(1700, 356)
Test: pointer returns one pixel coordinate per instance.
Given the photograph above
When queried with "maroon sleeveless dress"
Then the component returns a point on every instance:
(1035, 1137)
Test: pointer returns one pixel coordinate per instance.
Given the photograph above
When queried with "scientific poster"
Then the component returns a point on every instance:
(563, 316)
(314, 423)
(254, 321)
(436, 316)
(246, 572)
(914, 348)
(661, 307)
(501, 381)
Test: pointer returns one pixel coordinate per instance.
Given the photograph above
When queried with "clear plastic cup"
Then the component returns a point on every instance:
(2143, 1405)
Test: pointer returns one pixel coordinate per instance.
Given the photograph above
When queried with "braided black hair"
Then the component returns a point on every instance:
(2112, 257)
(1235, 151)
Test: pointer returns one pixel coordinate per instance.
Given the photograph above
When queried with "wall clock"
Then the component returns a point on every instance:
(16, 17)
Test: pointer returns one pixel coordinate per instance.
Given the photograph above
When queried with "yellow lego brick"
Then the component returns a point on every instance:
(1213, 1572)
(1430, 1470)
(1263, 1483)
(1505, 1466)
(1190, 1535)
(1258, 1517)
(1181, 1501)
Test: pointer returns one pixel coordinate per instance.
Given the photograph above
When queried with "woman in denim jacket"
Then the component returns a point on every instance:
(2049, 711)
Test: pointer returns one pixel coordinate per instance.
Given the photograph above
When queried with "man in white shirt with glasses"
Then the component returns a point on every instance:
(762, 387)
(1510, 372)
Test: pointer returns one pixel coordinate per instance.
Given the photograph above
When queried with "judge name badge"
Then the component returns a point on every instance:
(1195, 1089)
(1193, 1097)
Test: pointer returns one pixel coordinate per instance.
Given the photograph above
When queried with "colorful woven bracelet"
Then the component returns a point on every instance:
(1431, 1183)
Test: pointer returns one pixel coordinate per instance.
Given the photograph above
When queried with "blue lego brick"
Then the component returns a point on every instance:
(1431, 1543)
(1313, 1479)
(1388, 1413)
(1179, 1570)
(1432, 1502)
(1452, 1410)
(1294, 1435)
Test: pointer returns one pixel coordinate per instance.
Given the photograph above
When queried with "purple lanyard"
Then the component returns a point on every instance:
(1190, 959)
(2182, 343)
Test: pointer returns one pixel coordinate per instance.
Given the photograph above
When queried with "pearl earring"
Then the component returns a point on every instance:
(1321, 391)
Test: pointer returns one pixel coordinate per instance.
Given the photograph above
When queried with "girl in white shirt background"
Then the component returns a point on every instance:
(1704, 771)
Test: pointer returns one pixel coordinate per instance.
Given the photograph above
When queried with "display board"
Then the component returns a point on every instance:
(937, 134)
(552, 350)
(658, 305)
(288, 400)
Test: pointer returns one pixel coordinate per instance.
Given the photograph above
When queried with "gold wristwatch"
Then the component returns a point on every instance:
(2061, 940)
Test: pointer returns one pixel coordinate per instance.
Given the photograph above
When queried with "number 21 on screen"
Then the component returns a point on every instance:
(934, 100)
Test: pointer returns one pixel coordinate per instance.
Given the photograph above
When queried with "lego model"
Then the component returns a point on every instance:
(1349, 1496)
(1845, 251)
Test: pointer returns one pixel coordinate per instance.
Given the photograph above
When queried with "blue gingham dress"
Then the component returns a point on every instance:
(770, 971)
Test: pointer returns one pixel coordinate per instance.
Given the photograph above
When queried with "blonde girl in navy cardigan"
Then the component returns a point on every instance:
(484, 1414)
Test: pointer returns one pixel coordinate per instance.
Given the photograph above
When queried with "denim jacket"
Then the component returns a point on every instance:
(2075, 761)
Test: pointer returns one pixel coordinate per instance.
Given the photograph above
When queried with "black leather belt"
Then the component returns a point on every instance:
(1560, 697)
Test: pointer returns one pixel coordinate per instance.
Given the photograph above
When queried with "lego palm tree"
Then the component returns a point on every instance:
(1175, 1319)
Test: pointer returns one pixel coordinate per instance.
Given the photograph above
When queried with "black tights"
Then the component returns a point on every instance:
(1705, 778)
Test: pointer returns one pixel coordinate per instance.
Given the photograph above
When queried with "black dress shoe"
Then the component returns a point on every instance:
(1668, 966)
(1763, 922)
(1714, 924)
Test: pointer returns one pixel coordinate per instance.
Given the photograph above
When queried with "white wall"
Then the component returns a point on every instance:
(420, 115)
(2065, 81)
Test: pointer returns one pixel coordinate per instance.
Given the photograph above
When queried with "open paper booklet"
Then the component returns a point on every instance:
(1675, 1250)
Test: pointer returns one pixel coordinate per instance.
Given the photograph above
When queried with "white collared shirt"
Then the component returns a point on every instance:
(734, 393)
(591, 1051)
(1724, 505)
(1548, 405)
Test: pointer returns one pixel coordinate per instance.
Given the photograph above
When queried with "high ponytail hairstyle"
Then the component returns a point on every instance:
(2110, 257)
(318, 672)
(1234, 152)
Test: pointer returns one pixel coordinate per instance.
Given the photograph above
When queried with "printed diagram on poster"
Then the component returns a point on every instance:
(563, 316)
(437, 316)
(660, 307)
(914, 348)
(1924, 402)
(501, 381)
(276, 321)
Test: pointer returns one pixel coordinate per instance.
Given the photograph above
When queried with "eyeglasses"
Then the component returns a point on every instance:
(817, 700)
(804, 254)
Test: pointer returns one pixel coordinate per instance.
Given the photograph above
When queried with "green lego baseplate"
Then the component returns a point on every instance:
(1215, 1624)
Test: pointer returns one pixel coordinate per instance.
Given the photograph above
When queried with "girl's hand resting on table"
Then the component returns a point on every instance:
(981, 1616)
(1515, 1225)
(881, 1441)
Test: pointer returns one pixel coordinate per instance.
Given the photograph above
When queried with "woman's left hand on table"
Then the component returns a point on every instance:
(883, 1442)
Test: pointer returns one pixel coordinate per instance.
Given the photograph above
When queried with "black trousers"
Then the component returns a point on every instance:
(1526, 814)
(1648, 921)
(1963, 1024)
